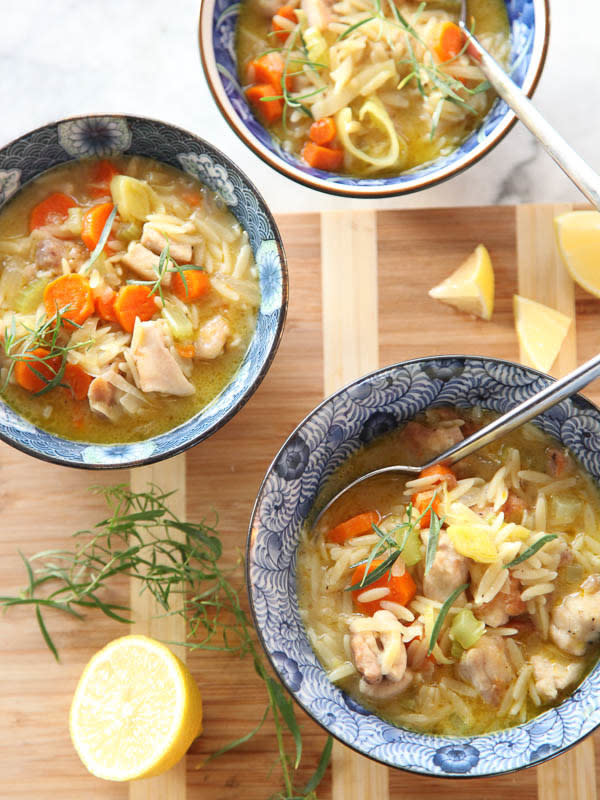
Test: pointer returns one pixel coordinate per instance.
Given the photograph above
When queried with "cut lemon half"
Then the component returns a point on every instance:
(471, 287)
(578, 236)
(136, 710)
(541, 331)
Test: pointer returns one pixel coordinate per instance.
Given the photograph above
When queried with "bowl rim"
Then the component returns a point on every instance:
(295, 173)
(250, 539)
(169, 452)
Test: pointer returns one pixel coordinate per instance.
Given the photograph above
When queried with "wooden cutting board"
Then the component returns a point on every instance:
(371, 306)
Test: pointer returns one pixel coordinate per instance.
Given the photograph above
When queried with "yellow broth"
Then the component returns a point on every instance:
(57, 411)
(322, 615)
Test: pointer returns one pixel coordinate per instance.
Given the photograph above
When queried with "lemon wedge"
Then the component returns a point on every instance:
(578, 236)
(541, 331)
(136, 710)
(471, 287)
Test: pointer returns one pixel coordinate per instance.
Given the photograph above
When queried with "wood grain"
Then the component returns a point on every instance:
(150, 620)
(542, 277)
(41, 505)
(350, 348)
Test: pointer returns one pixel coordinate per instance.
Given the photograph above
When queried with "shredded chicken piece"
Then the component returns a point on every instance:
(155, 241)
(49, 253)
(429, 442)
(380, 658)
(506, 604)
(448, 571)
(487, 668)
(103, 397)
(575, 622)
(212, 338)
(144, 263)
(157, 369)
(551, 677)
(513, 508)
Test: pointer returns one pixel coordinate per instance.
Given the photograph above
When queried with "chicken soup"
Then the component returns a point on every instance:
(128, 298)
(468, 599)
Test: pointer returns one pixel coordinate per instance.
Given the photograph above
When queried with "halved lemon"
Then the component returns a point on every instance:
(136, 710)
(471, 287)
(578, 236)
(541, 331)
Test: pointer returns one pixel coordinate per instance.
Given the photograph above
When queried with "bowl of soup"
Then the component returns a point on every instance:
(366, 99)
(446, 624)
(143, 291)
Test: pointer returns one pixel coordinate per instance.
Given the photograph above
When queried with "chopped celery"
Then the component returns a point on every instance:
(564, 509)
(456, 651)
(316, 46)
(466, 629)
(413, 549)
(129, 231)
(178, 321)
(31, 296)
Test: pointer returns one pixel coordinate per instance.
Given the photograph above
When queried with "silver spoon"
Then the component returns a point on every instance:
(525, 411)
(582, 175)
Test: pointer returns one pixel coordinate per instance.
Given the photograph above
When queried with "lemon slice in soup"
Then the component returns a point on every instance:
(578, 236)
(471, 287)
(541, 331)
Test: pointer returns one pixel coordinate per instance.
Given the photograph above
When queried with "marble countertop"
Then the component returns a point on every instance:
(63, 58)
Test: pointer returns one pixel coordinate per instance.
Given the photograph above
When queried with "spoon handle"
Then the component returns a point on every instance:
(582, 175)
(525, 411)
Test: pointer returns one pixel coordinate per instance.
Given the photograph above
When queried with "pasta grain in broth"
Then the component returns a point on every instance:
(363, 87)
(124, 341)
(490, 612)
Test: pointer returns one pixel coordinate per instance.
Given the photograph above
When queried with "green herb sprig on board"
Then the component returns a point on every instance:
(137, 540)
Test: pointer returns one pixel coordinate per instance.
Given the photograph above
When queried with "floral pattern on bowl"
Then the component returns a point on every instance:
(32, 154)
(529, 21)
(321, 443)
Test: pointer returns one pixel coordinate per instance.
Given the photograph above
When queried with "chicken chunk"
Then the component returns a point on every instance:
(513, 508)
(506, 604)
(49, 253)
(144, 263)
(448, 571)
(380, 658)
(425, 443)
(212, 338)
(551, 677)
(575, 623)
(318, 13)
(158, 371)
(103, 397)
(486, 668)
(155, 241)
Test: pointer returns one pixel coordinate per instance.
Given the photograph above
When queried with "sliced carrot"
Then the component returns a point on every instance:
(402, 588)
(198, 284)
(420, 502)
(287, 12)
(134, 300)
(77, 380)
(105, 305)
(269, 110)
(72, 293)
(269, 69)
(329, 159)
(441, 473)
(355, 526)
(24, 369)
(323, 131)
(52, 210)
(451, 42)
(185, 350)
(191, 197)
(93, 222)
(102, 174)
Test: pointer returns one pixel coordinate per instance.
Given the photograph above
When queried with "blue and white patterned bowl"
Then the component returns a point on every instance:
(529, 23)
(68, 140)
(374, 404)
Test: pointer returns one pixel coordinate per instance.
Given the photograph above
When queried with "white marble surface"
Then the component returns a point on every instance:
(141, 56)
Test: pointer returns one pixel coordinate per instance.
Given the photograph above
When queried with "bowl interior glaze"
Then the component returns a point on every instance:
(100, 136)
(377, 403)
(529, 23)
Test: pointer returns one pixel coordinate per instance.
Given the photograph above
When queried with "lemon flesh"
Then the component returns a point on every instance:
(471, 287)
(541, 331)
(578, 237)
(135, 711)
